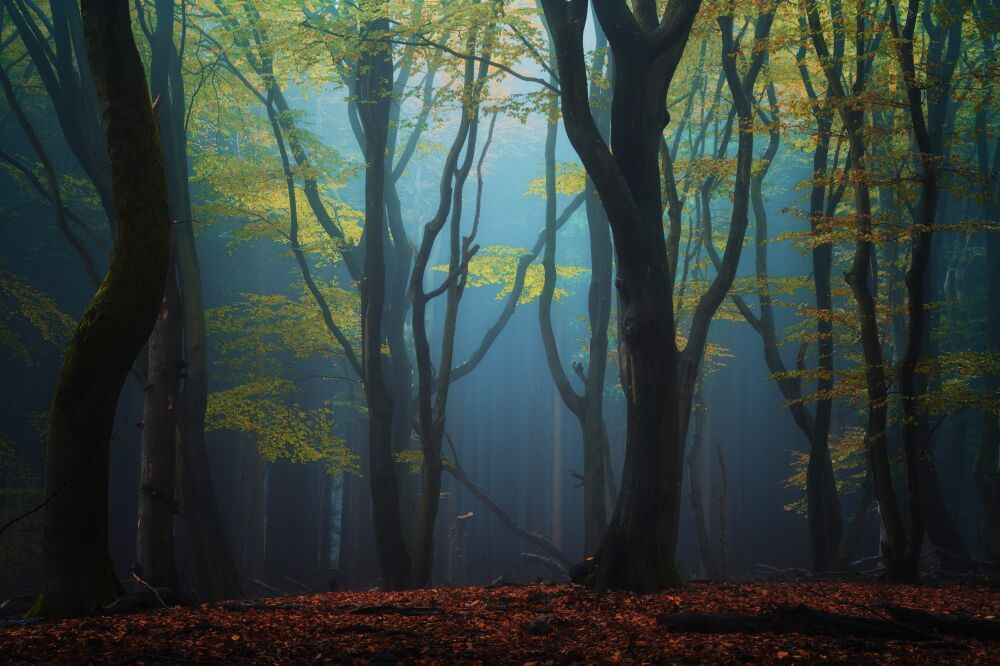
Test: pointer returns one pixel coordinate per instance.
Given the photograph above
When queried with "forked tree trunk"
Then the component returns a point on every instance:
(823, 510)
(433, 391)
(658, 380)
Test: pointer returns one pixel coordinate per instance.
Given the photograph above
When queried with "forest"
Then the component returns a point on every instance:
(499, 331)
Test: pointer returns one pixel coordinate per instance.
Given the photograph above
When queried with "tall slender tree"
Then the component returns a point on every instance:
(375, 90)
(598, 475)
(432, 392)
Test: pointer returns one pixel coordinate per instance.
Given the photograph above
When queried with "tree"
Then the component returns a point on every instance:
(658, 378)
(350, 41)
(598, 475)
(211, 553)
(432, 392)
(78, 572)
(823, 501)
(903, 537)
(375, 89)
(987, 466)
(57, 49)
(917, 280)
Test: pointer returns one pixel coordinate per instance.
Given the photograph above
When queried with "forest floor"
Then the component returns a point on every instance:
(746, 623)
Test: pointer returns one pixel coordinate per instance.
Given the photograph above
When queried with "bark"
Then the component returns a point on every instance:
(432, 392)
(709, 568)
(357, 564)
(374, 85)
(326, 524)
(638, 550)
(856, 525)
(987, 465)
(900, 566)
(748, 187)
(911, 387)
(157, 471)
(929, 129)
(988, 457)
(78, 572)
(822, 501)
(158, 444)
(588, 406)
(214, 564)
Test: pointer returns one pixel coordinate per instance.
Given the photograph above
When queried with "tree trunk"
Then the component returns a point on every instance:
(374, 84)
(988, 457)
(862, 283)
(709, 568)
(588, 406)
(78, 572)
(987, 467)
(158, 469)
(324, 560)
(639, 547)
(216, 569)
(822, 501)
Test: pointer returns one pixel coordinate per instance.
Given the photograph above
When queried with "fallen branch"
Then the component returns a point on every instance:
(970, 562)
(502, 579)
(857, 564)
(906, 624)
(243, 606)
(388, 609)
(145, 600)
(557, 572)
(269, 588)
(531, 537)
(953, 625)
(305, 587)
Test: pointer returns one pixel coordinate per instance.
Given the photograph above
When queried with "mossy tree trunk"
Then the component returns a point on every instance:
(79, 575)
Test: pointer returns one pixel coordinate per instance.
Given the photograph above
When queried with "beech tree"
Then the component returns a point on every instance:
(78, 572)
(658, 378)
(599, 488)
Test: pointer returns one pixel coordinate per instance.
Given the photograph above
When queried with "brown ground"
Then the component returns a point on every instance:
(530, 624)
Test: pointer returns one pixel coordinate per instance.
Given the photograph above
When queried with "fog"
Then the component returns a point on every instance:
(289, 460)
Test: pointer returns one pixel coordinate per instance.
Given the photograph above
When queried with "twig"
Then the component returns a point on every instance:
(139, 579)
